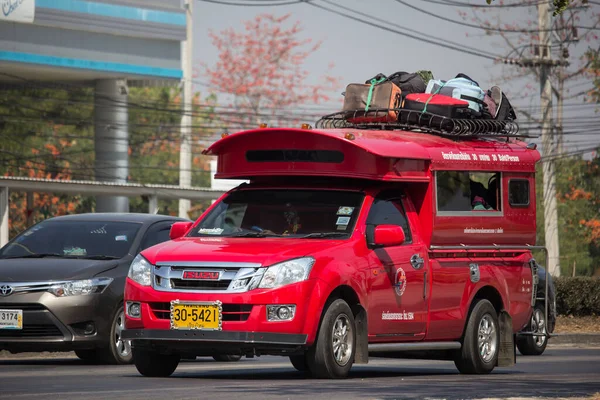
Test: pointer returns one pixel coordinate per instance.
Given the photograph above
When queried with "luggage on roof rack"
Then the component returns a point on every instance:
(425, 122)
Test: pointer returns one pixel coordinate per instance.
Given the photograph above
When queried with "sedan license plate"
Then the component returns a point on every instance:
(11, 319)
(196, 315)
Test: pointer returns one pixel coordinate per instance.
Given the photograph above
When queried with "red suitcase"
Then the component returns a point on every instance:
(437, 104)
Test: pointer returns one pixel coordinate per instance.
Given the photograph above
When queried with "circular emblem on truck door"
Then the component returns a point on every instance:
(400, 282)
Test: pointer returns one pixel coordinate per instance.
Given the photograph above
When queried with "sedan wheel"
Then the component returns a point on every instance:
(122, 347)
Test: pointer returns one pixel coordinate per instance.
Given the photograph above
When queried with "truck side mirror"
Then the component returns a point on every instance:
(388, 235)
(178, 229)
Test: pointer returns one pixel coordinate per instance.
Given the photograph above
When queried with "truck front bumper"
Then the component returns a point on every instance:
(215, 342)
(215, 336)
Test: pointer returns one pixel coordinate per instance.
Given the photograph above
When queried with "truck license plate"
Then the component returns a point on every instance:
(11, 319)
(206, 316)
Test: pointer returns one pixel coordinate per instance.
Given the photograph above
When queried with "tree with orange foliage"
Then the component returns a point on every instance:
(578, 188)
(262, 67)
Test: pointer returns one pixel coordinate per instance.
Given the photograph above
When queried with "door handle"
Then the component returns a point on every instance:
(417, 261)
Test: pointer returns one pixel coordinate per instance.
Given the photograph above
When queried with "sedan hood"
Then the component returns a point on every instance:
(266, 251)
(51, 269)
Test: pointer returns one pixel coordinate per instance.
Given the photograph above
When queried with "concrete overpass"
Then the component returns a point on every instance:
(106, 44)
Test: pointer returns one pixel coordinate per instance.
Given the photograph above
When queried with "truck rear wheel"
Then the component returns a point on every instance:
(481, 342)
(332, 355)
(534, 345)
(153, 364)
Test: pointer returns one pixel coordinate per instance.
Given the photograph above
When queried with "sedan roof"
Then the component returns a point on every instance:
(122, 217)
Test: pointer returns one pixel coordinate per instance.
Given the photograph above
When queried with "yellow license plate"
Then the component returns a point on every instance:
(191, 315)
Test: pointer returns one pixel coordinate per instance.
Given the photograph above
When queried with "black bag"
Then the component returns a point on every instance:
(408, 83)
(505, 112)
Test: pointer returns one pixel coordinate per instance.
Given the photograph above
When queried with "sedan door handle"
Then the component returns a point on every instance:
(417, 261)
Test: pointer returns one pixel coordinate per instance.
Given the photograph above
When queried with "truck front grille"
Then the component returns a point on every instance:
(200, 285)
(222, 277)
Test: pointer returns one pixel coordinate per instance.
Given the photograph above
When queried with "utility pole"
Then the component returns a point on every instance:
(185, 152)
(548, 144)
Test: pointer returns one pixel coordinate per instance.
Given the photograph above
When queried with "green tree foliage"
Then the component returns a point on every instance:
(578, 196)
(593, 57)
(48, 132)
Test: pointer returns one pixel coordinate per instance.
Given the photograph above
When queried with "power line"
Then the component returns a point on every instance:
(404, 28)
(229, 3)
(491, 29)
(469, 5)
(439, 42)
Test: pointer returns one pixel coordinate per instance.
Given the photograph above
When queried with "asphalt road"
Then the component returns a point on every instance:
(560, 372)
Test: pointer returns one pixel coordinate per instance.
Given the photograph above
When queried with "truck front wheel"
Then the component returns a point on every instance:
(153, 364)
(332, 355)
(481, 341)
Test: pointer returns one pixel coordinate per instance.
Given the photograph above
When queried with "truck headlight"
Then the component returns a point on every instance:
(140, 271)
(80, 287)
(287, 272)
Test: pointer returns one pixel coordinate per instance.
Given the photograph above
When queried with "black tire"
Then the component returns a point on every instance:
(320, 357)
(299, 362)
(469, 360)
(152, 364)
(534, 345)
(88, 355)
(116, 351)
(227, 357)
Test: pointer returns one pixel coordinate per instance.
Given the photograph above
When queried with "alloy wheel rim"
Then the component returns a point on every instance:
(123, 346)
(342, 340)
(487, 339)
(538, 325)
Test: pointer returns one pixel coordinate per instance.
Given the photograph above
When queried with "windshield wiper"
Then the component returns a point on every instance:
(37, 255)
(323, 235)
(97, 257)
(254, 234)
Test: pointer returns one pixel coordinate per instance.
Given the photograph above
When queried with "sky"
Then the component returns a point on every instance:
(359, 51)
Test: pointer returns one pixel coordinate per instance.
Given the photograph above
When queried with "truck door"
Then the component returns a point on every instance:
(397, 304)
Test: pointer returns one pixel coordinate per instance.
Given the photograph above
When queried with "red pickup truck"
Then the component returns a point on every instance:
(346, 244)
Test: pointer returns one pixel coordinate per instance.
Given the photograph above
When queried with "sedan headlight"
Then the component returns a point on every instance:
(287, 272)
(81, 287)
(140, 271)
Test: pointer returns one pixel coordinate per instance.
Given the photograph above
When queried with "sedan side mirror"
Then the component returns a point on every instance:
(178, 229)
(388, 235)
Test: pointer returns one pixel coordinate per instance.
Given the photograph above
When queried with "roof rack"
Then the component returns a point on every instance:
(421, 122)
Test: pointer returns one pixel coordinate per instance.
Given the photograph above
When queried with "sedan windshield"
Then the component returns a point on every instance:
(283, 213)
(99, 240)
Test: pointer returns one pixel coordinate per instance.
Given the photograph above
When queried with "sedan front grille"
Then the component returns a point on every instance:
(40, 330)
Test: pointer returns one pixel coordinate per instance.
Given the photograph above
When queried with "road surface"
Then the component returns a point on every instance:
(560, 372)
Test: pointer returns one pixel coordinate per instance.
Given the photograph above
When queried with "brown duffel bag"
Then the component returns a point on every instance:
(372, 103)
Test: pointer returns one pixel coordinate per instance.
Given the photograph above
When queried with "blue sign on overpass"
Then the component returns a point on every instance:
(80, 40)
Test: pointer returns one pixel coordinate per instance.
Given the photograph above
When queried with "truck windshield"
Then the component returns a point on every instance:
(283, 213)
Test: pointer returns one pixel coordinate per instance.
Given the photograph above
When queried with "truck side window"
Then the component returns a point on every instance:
(389, 211)
(459, 191)
(518, 192)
